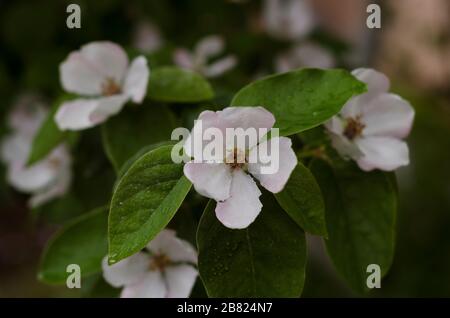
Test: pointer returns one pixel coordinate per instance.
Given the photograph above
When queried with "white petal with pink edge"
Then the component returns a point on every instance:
(388, 115)
(243, 205)
(86, 113)
(127, 271)
(175, 249)
(287, 160)
(180, 280)
(212, 180)
(382, 153)
(136, 80)
(151, 285)
(108, 58)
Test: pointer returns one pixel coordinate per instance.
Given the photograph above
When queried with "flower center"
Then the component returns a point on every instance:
(159, 262)
(110, 87)
(354, 128)
(54, 162)
(236, 159)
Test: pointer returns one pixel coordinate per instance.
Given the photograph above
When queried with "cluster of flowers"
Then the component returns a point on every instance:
(369, 130)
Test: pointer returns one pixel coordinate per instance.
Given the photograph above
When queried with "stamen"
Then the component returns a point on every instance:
(354, 127)
(54, 162)
(110, 87)
(159, 262)
(237, 159)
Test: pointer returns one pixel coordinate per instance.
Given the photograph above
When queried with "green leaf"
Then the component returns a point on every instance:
(301, 99)
(267, 259)
(145, 200)
(360, 213)
(82, 242)
(126, 166)
(176, 85)
(95, 286)
(49, 136)
(302, 200)
(134, 128)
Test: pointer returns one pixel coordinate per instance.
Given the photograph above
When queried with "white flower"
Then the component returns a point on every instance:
(46, 179)
(164, 270)
(371, 126)
(100, 72)
(304, 55)
(226, 181)
(198, 60)
(288, 19)
(147, 37)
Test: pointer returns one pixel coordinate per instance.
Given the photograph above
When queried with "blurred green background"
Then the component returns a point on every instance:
(412, 48)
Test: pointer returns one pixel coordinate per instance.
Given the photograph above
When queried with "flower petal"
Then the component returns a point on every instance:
(377, 83)
(287, 160)
(289, 19)
(335, 125)
(75, 114)
(212, 180)
(230, 117)
(136, 79)
(183, 58)
(304, 55)
(206, 119)
(128, 271)
(147, 37)
(59, 188)
(352, 108)
(15, 148)
(60, 161)
(107, 107)
(78, 75)
(151, 285)
(243, 205)
(85, 113)
(180, 280)
(388, 115)
(27, 115)
(30, 179)
(208, 47)
(382, 153)
(108, 58)
(245, 118)
(345, 147)
(176, 249)
(219, 67)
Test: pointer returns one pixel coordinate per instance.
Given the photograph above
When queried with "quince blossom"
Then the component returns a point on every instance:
(205, 49)
(101, 73)
(227, 181)
(371, 126)
(46, 179)
(165, 270)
